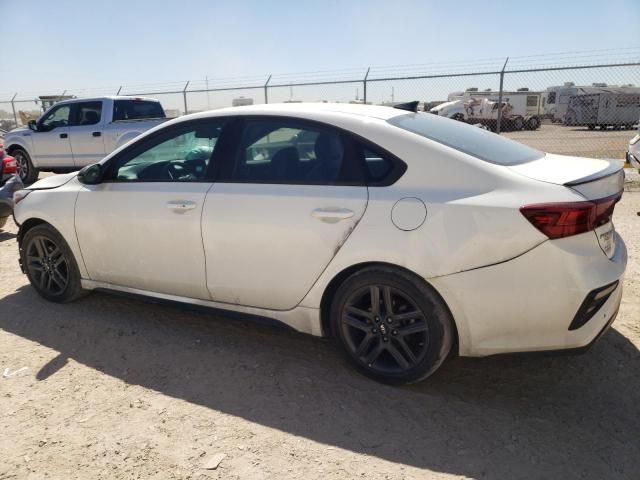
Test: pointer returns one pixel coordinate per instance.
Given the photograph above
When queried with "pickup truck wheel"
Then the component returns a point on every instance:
(28, 173)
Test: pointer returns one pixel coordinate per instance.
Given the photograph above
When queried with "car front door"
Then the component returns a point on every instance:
(280, 211)
(85, 133)
(51, 141)
(140, 228)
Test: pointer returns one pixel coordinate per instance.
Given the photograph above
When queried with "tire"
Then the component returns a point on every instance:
(533, 123)
(50, 265)
(518, 123)
(404, 347)
(28, 173)
(458, 116)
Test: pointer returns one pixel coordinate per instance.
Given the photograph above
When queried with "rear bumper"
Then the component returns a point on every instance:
(529, 303)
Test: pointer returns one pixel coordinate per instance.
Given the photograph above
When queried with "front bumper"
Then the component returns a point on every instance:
(527, 304)
(633, 161)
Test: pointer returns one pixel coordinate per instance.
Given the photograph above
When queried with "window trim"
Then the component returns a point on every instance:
(139, 147)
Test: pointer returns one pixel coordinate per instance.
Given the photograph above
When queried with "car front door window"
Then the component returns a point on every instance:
(180, 156)
(59, 117)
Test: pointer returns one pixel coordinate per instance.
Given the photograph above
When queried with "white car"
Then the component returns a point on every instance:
(405, 235)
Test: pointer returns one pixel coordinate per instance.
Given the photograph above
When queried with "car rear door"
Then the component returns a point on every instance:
(280, 211)
(85, 132)
(140, 228)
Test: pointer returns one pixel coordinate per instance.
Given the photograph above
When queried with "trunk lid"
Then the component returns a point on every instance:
(592, 178)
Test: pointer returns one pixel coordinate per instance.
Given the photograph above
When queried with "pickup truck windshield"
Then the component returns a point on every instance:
(136, 110)
(474, 141)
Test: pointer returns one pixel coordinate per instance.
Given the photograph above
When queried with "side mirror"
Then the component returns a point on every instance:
(91, 174)
(32, 125)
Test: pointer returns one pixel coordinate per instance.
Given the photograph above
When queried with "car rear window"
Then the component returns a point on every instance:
(136, 109)
(472, 140)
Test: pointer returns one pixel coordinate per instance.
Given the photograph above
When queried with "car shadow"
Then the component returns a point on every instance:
(4, 236)
(494, 418)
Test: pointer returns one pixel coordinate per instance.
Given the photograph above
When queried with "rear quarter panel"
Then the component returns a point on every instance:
(473, 217)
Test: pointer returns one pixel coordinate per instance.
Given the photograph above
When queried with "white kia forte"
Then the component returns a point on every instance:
(406, 236)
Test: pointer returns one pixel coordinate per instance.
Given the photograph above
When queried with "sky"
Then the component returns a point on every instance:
(49, 46)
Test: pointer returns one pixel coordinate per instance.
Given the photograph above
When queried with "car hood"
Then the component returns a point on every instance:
(15, 131)
(54, 181)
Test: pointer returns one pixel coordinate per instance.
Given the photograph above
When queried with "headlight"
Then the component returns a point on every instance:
(20, 195)
(634, 140)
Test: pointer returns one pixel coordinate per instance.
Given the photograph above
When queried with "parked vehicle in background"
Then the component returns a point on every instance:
(6, 198)
(633, 154)
(7, 165)
(520, 110)
(604, 109)
(558, 97)
(78, 132)
(403, 235)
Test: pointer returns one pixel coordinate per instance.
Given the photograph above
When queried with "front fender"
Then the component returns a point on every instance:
(57, 208)
(19, 141)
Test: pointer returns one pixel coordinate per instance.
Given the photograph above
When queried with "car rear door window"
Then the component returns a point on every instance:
(290, 151)
(87, 113)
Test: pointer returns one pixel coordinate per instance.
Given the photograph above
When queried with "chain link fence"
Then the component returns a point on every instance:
(575, 106)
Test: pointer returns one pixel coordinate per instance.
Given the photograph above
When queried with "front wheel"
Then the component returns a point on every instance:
(392, 326)
(50, 265)
(28, 173)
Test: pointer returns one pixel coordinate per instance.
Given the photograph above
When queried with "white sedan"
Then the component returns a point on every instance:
(406, 236)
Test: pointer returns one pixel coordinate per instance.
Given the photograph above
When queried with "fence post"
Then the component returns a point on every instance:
(266, 87)
(184, 96)
(13, 107)
(118, 92)
(364, 84)
(499, 117)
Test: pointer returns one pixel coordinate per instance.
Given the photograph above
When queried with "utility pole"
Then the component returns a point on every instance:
(266, 87)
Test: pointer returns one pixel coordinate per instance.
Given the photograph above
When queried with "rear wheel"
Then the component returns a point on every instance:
(391, 325)
(50, 265)
(28, 173)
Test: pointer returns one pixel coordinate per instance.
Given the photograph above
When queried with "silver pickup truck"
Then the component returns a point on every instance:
(78, 132)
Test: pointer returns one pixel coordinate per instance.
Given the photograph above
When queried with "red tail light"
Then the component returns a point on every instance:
(9, 165)
(557, 220)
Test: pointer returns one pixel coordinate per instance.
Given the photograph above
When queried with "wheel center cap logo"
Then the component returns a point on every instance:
(383, 329)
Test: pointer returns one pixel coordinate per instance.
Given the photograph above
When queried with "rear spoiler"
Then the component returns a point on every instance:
(613, 169)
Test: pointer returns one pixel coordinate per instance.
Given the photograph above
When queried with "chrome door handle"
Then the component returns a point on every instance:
(181, 206)
(332, 214)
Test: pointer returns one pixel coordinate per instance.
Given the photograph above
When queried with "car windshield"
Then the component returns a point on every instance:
(475, 141)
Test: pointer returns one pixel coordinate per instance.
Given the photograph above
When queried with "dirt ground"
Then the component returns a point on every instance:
(114, 387)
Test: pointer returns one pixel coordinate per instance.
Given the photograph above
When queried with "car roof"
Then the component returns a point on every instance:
(304, 109)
